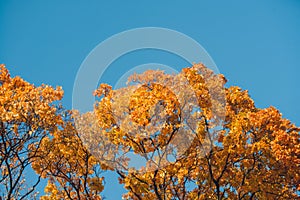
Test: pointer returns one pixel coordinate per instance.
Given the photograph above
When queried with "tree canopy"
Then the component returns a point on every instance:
(196, 138)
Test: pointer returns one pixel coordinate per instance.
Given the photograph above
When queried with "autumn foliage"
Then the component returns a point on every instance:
(197, 138)
(27, 117)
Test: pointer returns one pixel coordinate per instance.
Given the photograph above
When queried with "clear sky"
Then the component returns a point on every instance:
(255, 44)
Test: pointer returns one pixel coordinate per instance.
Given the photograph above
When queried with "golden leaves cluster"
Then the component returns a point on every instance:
(27, 115)
(252, 152)
(228, 148)
(73, 172)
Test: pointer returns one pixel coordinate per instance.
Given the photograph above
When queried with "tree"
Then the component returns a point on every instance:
(38, 133)
(27, 116)
(73, 172)
(199, 140)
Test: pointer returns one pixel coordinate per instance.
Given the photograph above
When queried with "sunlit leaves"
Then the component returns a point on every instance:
(250, 153)
(27, 116)
(73, 172)
(199, 140)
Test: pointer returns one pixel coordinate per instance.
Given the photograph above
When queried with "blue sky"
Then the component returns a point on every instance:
(255, 44)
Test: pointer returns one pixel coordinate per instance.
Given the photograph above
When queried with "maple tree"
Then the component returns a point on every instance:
(27, 116)
(221, 146)
(197, 138)
(38, 133)
(72, 171)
